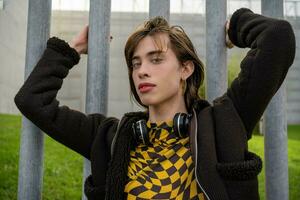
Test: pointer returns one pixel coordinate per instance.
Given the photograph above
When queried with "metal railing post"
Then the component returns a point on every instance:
(30, 180)
(98, 63)
(275, 129)
(216, 52)
(159, 8)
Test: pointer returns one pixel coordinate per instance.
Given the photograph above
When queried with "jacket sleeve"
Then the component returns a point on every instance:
(272, 43)
(37, 101)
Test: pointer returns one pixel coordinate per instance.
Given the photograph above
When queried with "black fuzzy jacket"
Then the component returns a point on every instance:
(219, 132)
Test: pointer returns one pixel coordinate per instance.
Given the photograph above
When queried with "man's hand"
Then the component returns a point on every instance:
(80, 41)
(229, 44)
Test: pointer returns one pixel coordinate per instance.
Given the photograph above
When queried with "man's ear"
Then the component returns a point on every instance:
(187, 69)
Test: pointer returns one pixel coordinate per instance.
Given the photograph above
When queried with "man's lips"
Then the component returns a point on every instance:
(141, 85)
(145, 87)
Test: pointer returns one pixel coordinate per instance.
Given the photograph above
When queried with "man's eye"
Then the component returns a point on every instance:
(135, 65)
(156, 60)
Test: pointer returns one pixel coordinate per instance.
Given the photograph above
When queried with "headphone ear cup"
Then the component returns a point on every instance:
(181, 124)
(140, 132)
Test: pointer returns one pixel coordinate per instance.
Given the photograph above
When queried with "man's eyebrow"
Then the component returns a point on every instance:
(150, 53)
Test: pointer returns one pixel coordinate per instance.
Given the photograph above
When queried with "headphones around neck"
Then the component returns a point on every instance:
(181, 123)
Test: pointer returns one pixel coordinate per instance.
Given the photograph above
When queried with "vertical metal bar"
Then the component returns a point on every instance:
(275, 129)
(159, 8)
(32, 140)
(216, 52)
(98, 62)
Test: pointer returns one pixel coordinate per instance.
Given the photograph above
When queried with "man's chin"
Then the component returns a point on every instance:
(149, 102)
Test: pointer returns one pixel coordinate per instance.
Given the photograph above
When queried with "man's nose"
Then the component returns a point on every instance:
(143, 70)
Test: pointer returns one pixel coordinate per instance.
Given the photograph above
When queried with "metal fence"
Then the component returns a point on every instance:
(39, 12)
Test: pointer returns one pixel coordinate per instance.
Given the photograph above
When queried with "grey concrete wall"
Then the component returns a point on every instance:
(13, 27)
(293, 80)
(65, 24)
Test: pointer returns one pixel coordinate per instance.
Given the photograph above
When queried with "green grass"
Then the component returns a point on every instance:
(256, 144)
(63, 167)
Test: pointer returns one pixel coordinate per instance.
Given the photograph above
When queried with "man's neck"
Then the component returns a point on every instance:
(166, 110)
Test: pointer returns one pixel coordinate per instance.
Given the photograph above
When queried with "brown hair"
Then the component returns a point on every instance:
(182, 47)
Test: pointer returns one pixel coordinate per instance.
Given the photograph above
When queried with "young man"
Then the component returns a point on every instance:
(180, 146)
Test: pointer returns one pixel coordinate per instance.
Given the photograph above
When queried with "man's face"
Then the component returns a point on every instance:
(156, 71)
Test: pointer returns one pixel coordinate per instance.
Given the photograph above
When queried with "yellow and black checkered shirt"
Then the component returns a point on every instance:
(164, 169)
